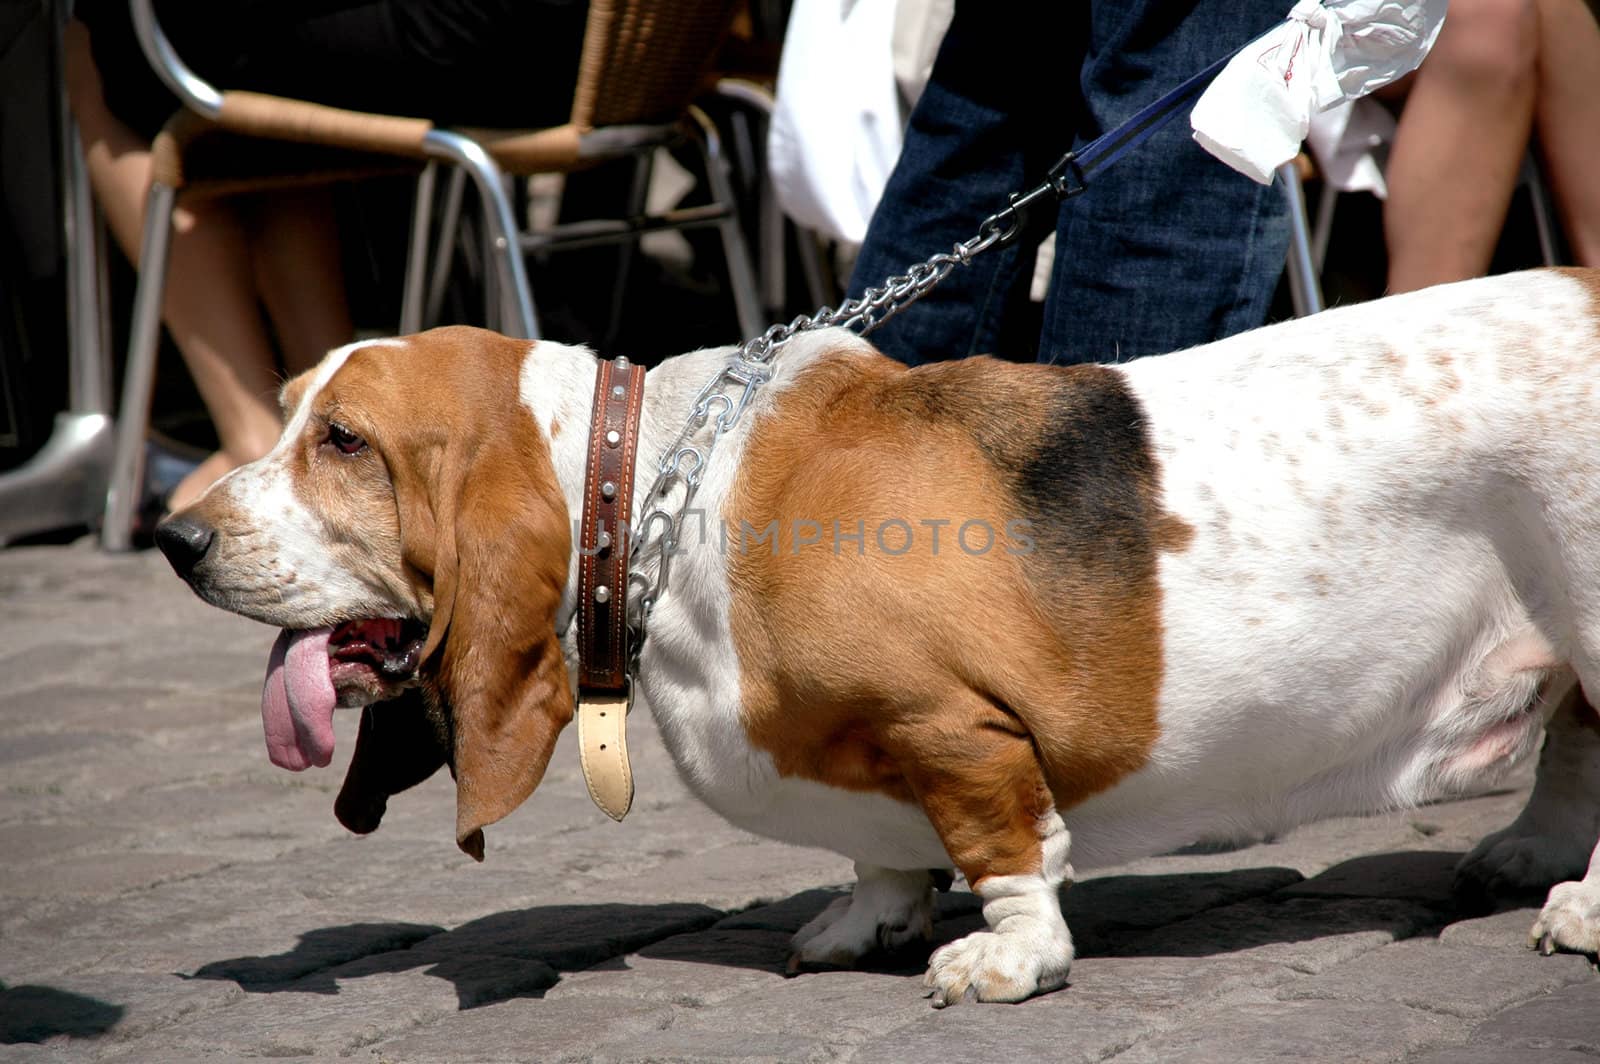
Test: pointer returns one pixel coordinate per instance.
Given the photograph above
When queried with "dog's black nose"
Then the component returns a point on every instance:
(184, 541)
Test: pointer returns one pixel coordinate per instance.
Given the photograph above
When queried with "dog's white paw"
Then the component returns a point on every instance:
(887, 909)
(1507, 863)
(999, 966)
(1570, 919)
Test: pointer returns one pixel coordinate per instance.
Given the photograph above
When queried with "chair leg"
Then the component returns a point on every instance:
(444, 251)
(500, 222)
(774, 264)
(741, 274)
(1544, 215)
(417, 254)
(494, 296)
(1304, 287)
(643, 167)
(754, 104)
(133, 416)
(1327, 203)
(89, 374)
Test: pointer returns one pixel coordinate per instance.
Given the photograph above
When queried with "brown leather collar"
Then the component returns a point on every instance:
(604, 538)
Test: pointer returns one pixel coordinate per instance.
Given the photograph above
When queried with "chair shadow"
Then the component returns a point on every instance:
(36, 1013)
(522, 952)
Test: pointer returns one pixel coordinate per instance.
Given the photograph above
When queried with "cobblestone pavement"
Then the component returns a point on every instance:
(168, 895)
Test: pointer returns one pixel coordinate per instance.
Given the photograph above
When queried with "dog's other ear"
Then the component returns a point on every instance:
(501, 550)
(401, 743)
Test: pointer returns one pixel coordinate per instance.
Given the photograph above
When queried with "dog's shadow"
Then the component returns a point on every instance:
(522, 952)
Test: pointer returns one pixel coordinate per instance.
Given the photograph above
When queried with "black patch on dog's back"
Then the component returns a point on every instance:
(1072, 444)
(1090, 484)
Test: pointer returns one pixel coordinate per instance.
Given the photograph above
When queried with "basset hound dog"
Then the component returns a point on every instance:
(977, 615)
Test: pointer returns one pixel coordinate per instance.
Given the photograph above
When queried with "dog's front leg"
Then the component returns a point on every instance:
(984, 792)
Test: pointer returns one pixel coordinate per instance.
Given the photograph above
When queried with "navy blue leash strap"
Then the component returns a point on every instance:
(1070, 174)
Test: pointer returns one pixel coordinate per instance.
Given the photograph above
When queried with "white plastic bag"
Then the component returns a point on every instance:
(1350, 143)
(1258, 110)
(836, 129)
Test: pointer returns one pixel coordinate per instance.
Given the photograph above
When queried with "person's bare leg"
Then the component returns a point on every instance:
(210, 304)
(299, 272)
(1569, 120)
(1461, 140)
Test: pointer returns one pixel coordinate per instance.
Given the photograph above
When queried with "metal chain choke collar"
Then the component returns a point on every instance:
(725, 397)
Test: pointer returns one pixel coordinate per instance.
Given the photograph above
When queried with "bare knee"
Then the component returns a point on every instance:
(1494, 43)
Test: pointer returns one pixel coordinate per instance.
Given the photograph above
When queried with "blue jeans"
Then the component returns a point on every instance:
(1168, 247)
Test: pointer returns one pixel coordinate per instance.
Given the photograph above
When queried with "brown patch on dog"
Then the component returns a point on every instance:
(1173, 534)
(983, 685)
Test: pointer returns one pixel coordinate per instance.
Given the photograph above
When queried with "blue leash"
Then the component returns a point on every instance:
(1070, 174)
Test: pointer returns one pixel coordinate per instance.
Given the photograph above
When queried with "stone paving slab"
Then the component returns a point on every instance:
(167, 895)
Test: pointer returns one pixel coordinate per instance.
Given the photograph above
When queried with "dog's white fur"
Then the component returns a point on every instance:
(1396, 510)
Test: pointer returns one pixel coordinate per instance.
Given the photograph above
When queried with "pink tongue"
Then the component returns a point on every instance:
(297, 701)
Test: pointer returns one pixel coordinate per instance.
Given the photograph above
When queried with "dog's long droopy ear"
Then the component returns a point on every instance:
(499, 554)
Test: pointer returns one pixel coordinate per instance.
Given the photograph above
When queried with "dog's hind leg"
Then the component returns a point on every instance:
(887, 909)
(1570, 919)
(1551, 840)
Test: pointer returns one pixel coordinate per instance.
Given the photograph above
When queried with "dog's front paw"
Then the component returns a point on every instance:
(887, 910)
(998, 966)
(1507, 865)
(1570, 919)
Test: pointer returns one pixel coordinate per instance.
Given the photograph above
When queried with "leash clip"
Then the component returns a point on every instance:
(1066, 177)
(1063, 181)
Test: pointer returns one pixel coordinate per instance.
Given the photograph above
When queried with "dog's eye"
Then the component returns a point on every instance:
(345, 441)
